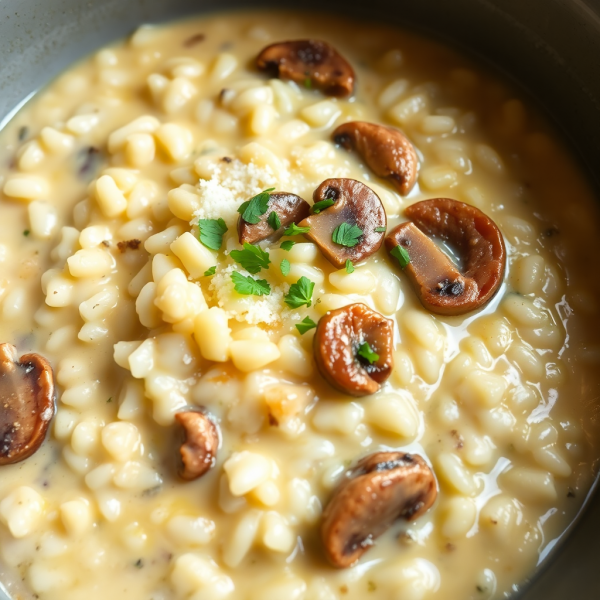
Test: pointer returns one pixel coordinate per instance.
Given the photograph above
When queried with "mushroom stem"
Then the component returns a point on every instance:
(441, 287)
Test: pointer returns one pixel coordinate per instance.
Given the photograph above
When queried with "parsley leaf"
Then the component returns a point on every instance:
(287, 245)
(211, 232)
(365, 351)
(380, 229)
(26, 232)
(274, 221)
(308, 83)
(248, 286)
(300, 293)
(293, 229)
(285, 266)
(402, 255)
(305, 325)
(253, 209)
(210, 271)
(252, 258)
(346, 235)
(322, 205)
(349, 267)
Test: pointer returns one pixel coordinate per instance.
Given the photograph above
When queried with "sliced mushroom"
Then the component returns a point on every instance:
(26, 403)
(288, 207)
(354, 204)
(439, 284)
(309, 62)
(199, 450)
(380, 489)
(339, 336)
(385, 150)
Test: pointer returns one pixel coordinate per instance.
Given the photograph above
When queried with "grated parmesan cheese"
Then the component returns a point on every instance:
(251, 309)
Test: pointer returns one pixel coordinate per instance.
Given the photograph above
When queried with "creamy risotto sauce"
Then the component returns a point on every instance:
(106, 176)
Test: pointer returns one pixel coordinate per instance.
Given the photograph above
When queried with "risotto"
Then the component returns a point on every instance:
(290, 307)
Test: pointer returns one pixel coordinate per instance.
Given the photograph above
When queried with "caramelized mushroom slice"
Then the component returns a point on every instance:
(385, 150)
(199, 450)
(380, 489)
(289, 209)
(26, 403)
(339, 337)
(438, 283)
(310, 63)
(354, 204)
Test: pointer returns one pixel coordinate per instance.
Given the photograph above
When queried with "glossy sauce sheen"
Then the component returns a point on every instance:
(501, 403)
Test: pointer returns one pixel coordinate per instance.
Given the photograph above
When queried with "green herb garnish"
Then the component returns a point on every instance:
(248, 286)
(210, 271)
(402, 255)
(252, 258)
(305, 325)
(253, 209)
(285, 267)
(346, 235)
(211, 232)
(380, 229)
(349, 267)
(26, 232)
(274, 221)
(365, 351)
(293, 229)
(287, 245)
(300, 293)
(109, 400)
(308, 83)
(322, 205)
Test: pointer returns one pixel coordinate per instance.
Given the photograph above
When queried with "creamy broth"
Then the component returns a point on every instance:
(501, 401)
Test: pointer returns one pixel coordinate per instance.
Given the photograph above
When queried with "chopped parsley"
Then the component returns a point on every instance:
(274, 221)
(285, 267)
(287, 245)
(371, 586)
(308, 83)
(300, 293)
(322, 205)
(248, 286)
(349, 267)
(211, 232)
(210, 271)
(380, 229)
(109, 400)
(26, 232)
(402, 255)
(253, 209)
(346, 235)
(139, 564)
(365, 351)
(252, 258)
(293, 229)
(305, 325)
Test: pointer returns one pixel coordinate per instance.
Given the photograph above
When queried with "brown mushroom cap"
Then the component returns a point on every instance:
(289, 208)
(313, 60)
(440, 286)
(380, 489)
(199, 450)
(337, 339)
(355, 204)
(26, 403)
(385, 150)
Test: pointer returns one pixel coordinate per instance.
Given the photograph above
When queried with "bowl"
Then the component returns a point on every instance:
(549, 47)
